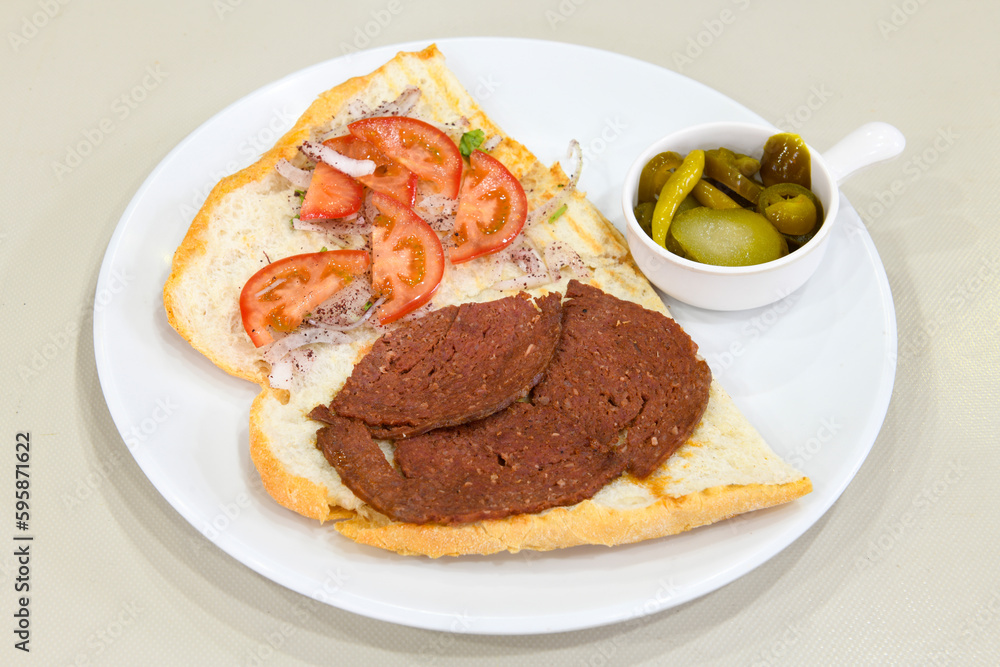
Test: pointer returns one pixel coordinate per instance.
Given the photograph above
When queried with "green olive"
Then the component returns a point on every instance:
(785, 160)
(727, 237)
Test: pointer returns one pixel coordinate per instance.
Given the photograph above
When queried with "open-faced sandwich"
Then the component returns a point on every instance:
(455, 351)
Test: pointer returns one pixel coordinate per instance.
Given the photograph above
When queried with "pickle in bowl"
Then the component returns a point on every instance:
(717, 206)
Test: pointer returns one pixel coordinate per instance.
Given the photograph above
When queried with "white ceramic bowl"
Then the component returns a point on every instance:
(743, 287)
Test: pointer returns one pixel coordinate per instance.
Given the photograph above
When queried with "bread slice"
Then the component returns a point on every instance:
(724, 469)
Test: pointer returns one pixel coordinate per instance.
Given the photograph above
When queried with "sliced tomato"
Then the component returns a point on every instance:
(331, 194)
(492, 209)
(407, 259)
(390, 177)
(421, 147)
(283, 292)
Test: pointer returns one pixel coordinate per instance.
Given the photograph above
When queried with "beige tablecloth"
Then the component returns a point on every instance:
(902, 569)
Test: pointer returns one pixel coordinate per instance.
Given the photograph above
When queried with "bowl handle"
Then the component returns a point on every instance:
(870, 143)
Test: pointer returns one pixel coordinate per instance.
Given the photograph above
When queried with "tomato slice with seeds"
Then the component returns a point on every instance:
(331, 194)
(419, 146)
(282, 293)
(390, 177)
(492, 208)
(407, 259)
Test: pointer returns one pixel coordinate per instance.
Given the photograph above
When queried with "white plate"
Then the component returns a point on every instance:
(814, 373)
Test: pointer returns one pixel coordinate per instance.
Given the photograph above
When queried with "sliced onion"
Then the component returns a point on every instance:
(339, 227)
(296, 362)
(400, 106)
(574, 153)
(491, 143)
(536, 273)
(300, 178)
(559, 255)
(358, 109)
(523, 282)
(438, 211)
(345, 307)
(302, 336)
(321, 153)
(545, 211)
(356, 323)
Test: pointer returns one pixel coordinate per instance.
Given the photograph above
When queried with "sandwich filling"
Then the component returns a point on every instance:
(624, 389)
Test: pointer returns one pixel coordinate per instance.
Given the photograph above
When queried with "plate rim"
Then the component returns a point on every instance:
(500, 625)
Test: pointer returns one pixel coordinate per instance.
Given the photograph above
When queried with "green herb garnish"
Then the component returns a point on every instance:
(558, 212)
(470, 141)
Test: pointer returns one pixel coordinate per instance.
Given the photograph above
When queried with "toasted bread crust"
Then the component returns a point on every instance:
(583, 523)
(285, 456)
(295, 492)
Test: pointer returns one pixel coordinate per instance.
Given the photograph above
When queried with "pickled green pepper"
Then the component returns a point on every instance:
(721, 164)
(677, 187)
(786, 160)
(655, 173)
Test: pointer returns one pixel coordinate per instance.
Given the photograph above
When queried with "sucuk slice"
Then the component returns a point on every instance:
(519, 461)
(620, 366)
(452, 366)
(618, 369)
